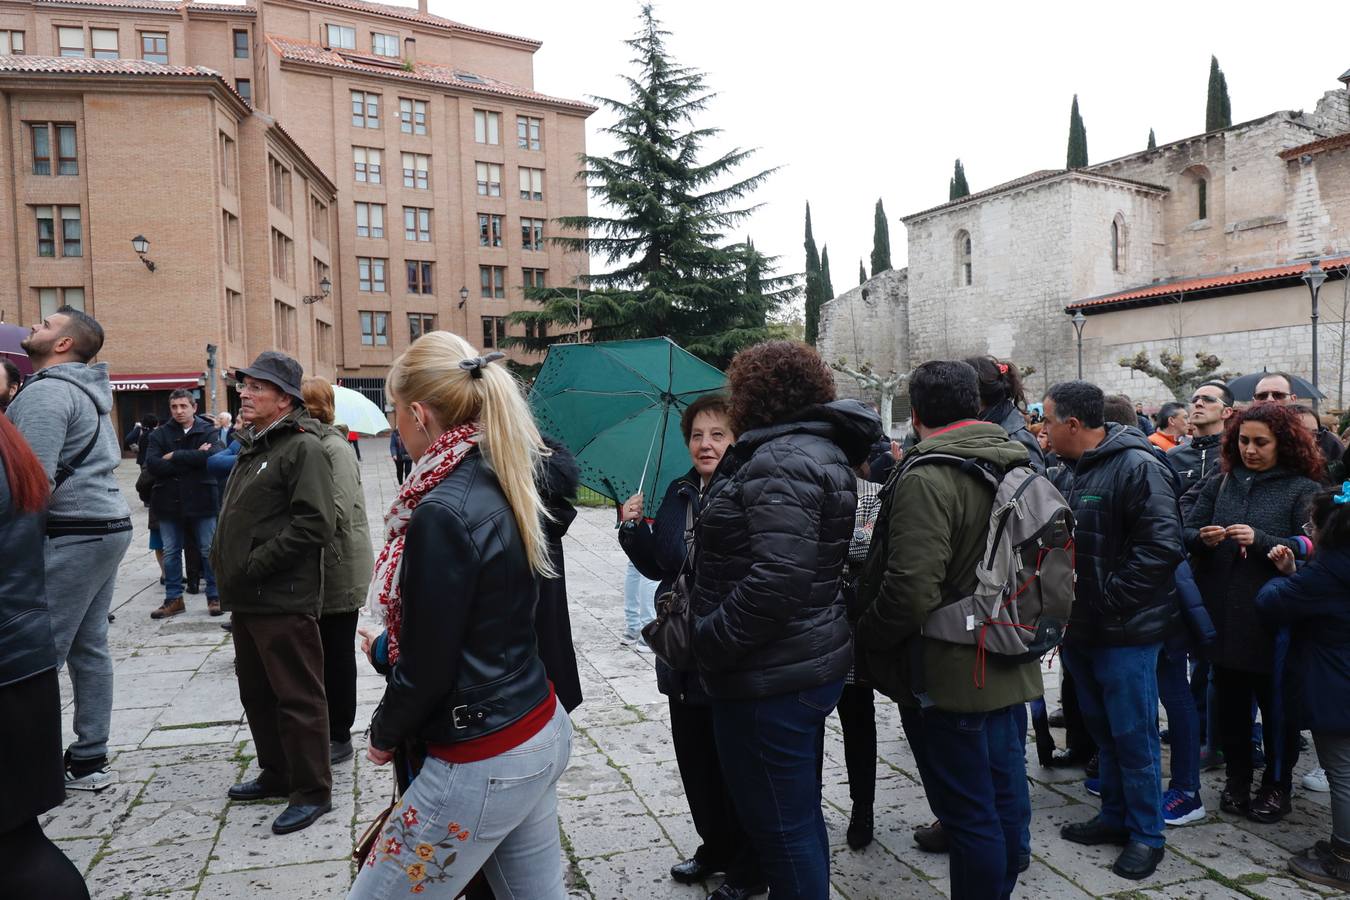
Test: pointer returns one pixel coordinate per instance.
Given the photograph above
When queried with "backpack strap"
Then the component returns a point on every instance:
(67, 468)
(987, 472)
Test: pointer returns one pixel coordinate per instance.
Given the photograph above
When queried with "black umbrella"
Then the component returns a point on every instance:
(1244, 386)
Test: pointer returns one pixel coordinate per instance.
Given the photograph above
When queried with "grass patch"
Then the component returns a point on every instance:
(589, 498)
(578, 878)
(193, 725)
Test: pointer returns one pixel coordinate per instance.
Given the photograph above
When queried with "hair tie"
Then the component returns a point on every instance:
(1003, 368)
(474, 364)
(1344, 495)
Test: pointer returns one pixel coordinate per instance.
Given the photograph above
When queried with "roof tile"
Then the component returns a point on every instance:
(1336, 142)
(410, 14)
(78, 65)
(1209, 282)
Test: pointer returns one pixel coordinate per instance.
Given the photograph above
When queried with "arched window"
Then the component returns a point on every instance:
(963, 265)
(1202, 199)
(1118, 243)
(1198, 178)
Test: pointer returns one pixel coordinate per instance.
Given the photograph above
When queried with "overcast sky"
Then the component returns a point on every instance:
(859, 100)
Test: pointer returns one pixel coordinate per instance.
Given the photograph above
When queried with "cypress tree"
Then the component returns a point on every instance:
(957, 187)
(881, 240)
(1218, 109)
(1152, 141)
(1078, 152)
(826, 283)
(813, 288)
(665, 207)
(862, 273)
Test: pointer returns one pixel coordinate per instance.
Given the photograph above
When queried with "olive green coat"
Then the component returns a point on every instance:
(347, 560)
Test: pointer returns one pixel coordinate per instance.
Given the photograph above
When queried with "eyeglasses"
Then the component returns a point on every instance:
(1271, 395)
(1308, 528)
(1205, 398)
(243, 387)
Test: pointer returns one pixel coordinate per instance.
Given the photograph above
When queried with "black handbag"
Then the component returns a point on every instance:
(671, 633)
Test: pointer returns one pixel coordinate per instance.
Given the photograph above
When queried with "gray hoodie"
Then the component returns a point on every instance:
(58, 418)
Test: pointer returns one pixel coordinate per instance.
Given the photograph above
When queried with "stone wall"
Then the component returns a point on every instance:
(868, 324)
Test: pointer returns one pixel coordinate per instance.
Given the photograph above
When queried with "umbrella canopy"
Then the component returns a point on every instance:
(10, 338)
(357, 413)
(1244, 386)
(616, 405)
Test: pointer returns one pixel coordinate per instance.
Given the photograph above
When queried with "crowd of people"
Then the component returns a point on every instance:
(1201, 567)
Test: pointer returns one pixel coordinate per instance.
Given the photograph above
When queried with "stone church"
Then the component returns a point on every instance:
(1196, 246)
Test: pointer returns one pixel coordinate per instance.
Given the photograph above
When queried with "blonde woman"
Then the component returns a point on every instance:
(457, 583)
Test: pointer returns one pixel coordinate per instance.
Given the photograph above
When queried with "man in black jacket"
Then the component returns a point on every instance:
(184, 497)
(1211, 408)
(1128, 544)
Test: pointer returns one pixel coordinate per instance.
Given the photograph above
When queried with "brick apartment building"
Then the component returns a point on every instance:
(263, 150)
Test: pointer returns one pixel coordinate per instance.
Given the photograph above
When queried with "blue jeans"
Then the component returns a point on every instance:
(769, 759)
(973, 767)
(174, 532)
(1118, 694)
(639, 599)
(1021, 786)
(1183, 720)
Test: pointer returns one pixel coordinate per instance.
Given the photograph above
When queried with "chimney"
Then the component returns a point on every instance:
(422, 6)
(410, 50)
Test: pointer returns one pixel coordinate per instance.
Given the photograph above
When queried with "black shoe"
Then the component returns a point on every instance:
(1137, 861)
(194, 587)
(1068, 759)
(1056, 718)
(1235, 800)
(1270, 806)
(246, 791)
(691, 871)
(859, 833)
(736, 892)
(294, 818)
(339, 751)
(932, 839)
(1094, 832)
(1023, 862)
(1093, 769)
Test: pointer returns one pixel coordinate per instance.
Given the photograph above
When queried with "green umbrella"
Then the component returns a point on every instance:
(616, 405)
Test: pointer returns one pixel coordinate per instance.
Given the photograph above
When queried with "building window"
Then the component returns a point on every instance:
(67, 161)
(279, 180)
(420, 324)
(283, 257)
(416, 169)
(104, 41)
(241, 45)
(323, 339)
(11, 42)
(419, 276)
(494, 331)
(70, 41)
(341, 37)
(234, 316)
(384, 44)
(1202, 199)
(489, 230)
(245, 89)
(367, 161)
(46, 230)
(492, 281)
(285, 317)
(534, 278)
(52, 299)
(1118, 243)
(230, 232)
(528, 132)
(412, 116)
(365, 109)
(531, 184)
(536, 330)
(318, 220)
(72, 235)
(155, 47)
(374, 329)
(416, 224)
(489, 179)
(963, 266)
(370, 274)
(532, 234)
(370, 220)
(321, 271)
(227, 165)
(487, 127)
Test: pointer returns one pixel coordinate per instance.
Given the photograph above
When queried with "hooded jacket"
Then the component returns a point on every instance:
(1006, 414)
(930, 534)
(1127, 543)
(275, 521)
(183, 488)
(1194, 462)
(348, 560)
(769, 565)
(58, 411)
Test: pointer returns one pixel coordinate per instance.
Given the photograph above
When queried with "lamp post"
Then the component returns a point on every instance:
(1079, 320)
(1313, 278)
(463, 296)
(142, 247)
(326, 288)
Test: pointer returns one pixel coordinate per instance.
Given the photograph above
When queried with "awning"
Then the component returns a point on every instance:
(158, 381)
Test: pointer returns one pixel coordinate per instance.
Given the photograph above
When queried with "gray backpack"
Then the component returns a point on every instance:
(1020, 607)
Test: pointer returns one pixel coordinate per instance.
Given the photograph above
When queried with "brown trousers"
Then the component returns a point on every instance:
(279, 661)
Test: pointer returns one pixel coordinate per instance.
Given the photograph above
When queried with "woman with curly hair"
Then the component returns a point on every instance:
(771, 636)
(1271, 469)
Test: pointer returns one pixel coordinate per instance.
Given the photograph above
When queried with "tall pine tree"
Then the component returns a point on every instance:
(1218, 110)
(670, 268)
(1152, 141)
(826, 283)
(813, 286)
(957, 187)
(881, 240)
(1078, 153)
(862, 273)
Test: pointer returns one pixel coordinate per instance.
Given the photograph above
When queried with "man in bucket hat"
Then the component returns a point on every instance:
(275, 519)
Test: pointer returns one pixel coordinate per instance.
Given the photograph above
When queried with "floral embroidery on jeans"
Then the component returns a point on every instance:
(428, 862)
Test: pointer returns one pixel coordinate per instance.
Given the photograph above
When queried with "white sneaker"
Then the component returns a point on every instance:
(1316, 780)
(630, 637)
(641, 646)
(95, 781)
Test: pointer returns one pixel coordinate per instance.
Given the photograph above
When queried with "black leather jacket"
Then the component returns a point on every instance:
(1194, 462)
(1128, 543)
(772, 540)
(468, 665)
(26, 647)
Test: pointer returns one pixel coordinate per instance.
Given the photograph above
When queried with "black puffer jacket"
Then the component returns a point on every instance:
(1275, 504)
(1005, 413)
(1194, 462)
(467, 665)
(772, 540)
(1128, 543)
(26, 647)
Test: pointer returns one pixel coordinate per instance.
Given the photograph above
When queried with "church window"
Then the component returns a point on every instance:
(1118, 244)
(1202, 198)
(963, 263)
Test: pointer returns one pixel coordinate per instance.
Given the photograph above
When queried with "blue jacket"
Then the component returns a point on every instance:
(1314, 603)
(219, 465)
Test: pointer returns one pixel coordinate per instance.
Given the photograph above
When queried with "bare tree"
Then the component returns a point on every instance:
(1169, 370)
(884, 387)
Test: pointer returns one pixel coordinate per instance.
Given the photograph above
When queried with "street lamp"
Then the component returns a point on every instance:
(325, 286)
(1079, 320)
(142, 247)
(1313, 278)
(463, 296)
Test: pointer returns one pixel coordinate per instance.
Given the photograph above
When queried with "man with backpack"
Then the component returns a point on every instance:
(63, 413)
(1127, 548)
(957, 702)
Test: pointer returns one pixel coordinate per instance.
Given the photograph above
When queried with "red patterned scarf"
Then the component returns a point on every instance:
(439, 460)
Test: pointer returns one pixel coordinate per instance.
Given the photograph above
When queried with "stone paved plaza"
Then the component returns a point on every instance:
(179, 740)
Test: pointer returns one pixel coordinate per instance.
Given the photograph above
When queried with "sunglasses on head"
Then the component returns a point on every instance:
(1272, 395)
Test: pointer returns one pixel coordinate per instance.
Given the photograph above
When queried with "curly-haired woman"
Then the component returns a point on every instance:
(771, 634)
(1271, 468)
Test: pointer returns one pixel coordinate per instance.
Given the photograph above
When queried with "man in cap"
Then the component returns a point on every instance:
(276, 517)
